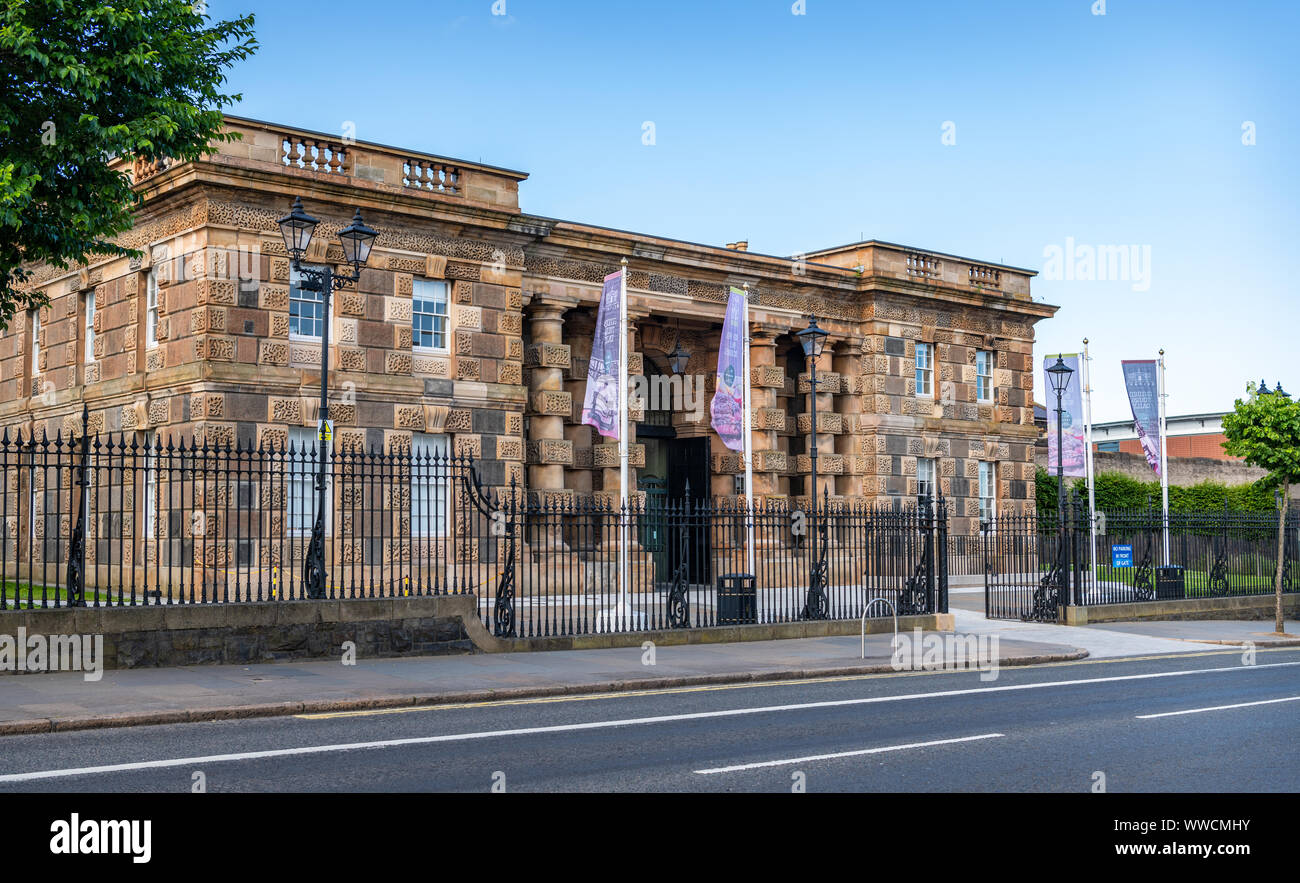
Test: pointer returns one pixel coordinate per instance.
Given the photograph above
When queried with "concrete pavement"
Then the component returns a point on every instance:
(34, 703)
(1105, 640)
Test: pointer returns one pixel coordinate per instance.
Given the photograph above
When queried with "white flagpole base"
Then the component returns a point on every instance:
(621, 617)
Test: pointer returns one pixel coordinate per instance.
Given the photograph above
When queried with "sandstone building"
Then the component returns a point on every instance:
(470, 328)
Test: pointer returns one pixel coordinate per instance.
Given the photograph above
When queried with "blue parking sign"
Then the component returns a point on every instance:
(1121, 556)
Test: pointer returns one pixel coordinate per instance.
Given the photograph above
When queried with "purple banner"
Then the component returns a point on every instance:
(1073, 441)
(728, 405)
(600, 405)
(1142, 378)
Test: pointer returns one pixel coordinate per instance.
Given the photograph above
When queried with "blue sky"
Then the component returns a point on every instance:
(800, 132)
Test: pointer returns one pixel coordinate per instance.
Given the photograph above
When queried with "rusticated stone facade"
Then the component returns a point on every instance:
(197, 339)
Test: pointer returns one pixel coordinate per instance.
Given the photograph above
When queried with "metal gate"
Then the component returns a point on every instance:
(1026, 568)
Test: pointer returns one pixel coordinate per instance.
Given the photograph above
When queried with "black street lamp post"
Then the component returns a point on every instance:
(813, 341)
(1059, 375)
(357, 239)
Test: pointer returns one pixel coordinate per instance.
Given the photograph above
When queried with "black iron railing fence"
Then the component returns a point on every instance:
(123, 519)
(130, 519)
(680, 556)
(1037, 562)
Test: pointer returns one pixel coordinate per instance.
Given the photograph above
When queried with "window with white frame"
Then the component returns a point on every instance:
(151, 310)
(925, 479)
(924, 370)
(90, 327)
(150, 497)
(36, 344)
(303, 461)
(430, 477)
(984, 376)
(306, 308)
(429, 315)
(988, 492)
(31, 500)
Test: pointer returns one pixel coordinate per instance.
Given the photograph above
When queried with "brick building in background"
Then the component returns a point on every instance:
(471, 325)
(1193, 435)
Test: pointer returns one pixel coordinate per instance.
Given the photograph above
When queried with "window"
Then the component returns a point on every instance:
(151, 311)
(302, 465)
(984, 376)
(429, 315)
(924, 370)
(150, 497)
(430, 476)
(31, 499)
(90, 327)
(925, 480)
(36, 344)
(988, 492)
(306, 309)
(1108, 447)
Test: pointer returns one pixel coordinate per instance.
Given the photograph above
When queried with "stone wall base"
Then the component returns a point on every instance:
(235, 634)
(1249, 607)
(240, 634)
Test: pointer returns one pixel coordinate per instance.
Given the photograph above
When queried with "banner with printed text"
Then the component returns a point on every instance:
(1142, 379)
(728, 405)
(1073, 443)
(600, 404)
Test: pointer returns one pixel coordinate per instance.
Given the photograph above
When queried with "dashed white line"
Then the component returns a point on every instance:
(815, 757)
(1146, 717)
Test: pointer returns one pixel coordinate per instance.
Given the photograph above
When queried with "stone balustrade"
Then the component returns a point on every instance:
(353, 162)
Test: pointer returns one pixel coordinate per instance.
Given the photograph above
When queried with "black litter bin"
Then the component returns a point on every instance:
(737, 599)
(1170, 584)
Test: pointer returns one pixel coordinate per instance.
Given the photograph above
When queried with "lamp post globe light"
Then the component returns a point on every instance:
(813, 341)
(357, 239)
(679, 357)
(1059, 376)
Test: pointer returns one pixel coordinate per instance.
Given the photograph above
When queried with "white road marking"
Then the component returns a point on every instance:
(813, 757)
(1145, 717)
(599, 725)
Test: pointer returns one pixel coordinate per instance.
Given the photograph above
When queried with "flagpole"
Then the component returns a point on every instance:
(622, 441)
(1164, 464)
(748, 451)
(1089, 467)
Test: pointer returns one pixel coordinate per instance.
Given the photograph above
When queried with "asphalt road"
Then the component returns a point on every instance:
(1140, 722)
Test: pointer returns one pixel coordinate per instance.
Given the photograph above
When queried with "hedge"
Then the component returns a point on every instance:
(1117, 491)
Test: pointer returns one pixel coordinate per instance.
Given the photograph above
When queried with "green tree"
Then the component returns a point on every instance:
(83, 82)
(1264, 430)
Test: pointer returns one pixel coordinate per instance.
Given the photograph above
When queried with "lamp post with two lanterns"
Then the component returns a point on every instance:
(357, 240)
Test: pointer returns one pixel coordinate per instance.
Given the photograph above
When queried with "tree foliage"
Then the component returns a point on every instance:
(1264, 430)
(82, 82)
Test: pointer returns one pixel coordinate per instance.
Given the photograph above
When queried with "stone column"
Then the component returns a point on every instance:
(581, 326)
(548, 451)
(604, 451)
(767, 417)
(641, 577)
(847, 363)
